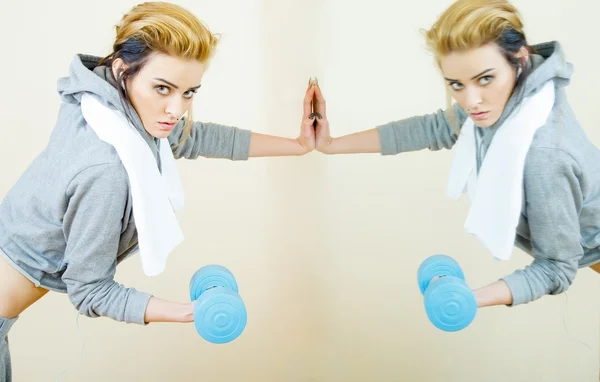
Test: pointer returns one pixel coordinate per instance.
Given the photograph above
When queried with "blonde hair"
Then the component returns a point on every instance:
(164, 28)
(469, 24)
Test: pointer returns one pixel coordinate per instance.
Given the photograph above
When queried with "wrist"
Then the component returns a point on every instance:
(327, 147)
(301, 147)
(187, 312)
(159, 310)
(481, 298)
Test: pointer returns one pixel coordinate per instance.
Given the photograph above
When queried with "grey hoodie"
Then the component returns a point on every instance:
(560, 218)
(68, 220)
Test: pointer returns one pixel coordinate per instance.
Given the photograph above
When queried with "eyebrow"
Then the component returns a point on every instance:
(478, 75)
(175, 86)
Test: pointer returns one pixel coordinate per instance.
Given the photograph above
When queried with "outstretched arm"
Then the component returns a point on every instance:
(433, 131)
(212, 140)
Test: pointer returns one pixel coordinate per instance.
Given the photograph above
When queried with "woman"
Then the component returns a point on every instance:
(69, 220)
(497, 79)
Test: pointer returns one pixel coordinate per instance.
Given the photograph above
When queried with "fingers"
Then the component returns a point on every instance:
(319, 96)
(320, 105)
(308, 102)
(314, 102)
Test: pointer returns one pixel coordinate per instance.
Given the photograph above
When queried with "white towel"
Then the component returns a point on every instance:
(156, 196)
(496, 193)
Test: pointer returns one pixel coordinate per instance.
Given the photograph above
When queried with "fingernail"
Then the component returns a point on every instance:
(313, 81)
(312, 116)
(319, 116)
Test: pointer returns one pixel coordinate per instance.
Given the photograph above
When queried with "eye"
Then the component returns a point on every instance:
(190, 94)
(456, 85)
(485, 80)
(161, 89)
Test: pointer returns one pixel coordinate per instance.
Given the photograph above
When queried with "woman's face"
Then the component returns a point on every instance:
(481, 80)
(163, 90)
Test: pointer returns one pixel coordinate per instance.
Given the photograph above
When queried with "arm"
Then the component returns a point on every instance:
(496, 293)
(166, 311)
(430, 131)
(363, 142)
(553, 203)
(433, 131)
(97, 199)
(212, 140)
(262, 145)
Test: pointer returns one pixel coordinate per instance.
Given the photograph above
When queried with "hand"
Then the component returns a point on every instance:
(323, 137)
(307, 130)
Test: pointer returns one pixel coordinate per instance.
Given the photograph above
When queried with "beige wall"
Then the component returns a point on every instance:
(326, 266)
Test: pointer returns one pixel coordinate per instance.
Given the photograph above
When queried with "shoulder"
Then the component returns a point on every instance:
(562, 129)
(75, 148)
(73, 138)
(562, 137)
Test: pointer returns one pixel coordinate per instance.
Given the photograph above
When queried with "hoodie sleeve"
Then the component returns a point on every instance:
(430, 131)
(97, 197)
(210, 140)
(553, 202)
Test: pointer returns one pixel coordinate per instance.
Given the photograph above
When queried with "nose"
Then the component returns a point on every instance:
(175, 108)
(472, 98)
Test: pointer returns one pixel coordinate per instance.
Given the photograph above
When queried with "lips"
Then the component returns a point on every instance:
(168, 126)
(479, 116)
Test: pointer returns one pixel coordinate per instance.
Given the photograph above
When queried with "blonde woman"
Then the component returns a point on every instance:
(68, 221)
(537, 176)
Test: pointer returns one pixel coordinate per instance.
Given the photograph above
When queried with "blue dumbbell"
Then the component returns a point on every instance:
(219, 312)
(449, 302)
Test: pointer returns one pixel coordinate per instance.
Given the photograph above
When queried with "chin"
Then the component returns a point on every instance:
(483, 124)
(486, 123)
(157, 133)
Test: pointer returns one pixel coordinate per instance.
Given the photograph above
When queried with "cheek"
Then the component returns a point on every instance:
(143, 100)
(504, 88)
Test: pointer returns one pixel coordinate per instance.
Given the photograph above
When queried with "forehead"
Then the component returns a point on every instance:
(180, 71)
(463, 65)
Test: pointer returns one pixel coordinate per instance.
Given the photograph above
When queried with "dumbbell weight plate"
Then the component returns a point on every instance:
(219, 315)
(450, 304)
(211, 276)
(437, 265)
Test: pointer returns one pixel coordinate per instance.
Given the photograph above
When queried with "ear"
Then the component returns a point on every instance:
(118, 67)
(523, 56)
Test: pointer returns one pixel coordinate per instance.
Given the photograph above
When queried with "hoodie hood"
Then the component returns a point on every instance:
(87, 76)
(547, 62)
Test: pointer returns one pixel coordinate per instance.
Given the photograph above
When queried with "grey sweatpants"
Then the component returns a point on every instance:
(5, 369)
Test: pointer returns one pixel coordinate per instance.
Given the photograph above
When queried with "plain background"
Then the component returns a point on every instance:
(325, 249)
